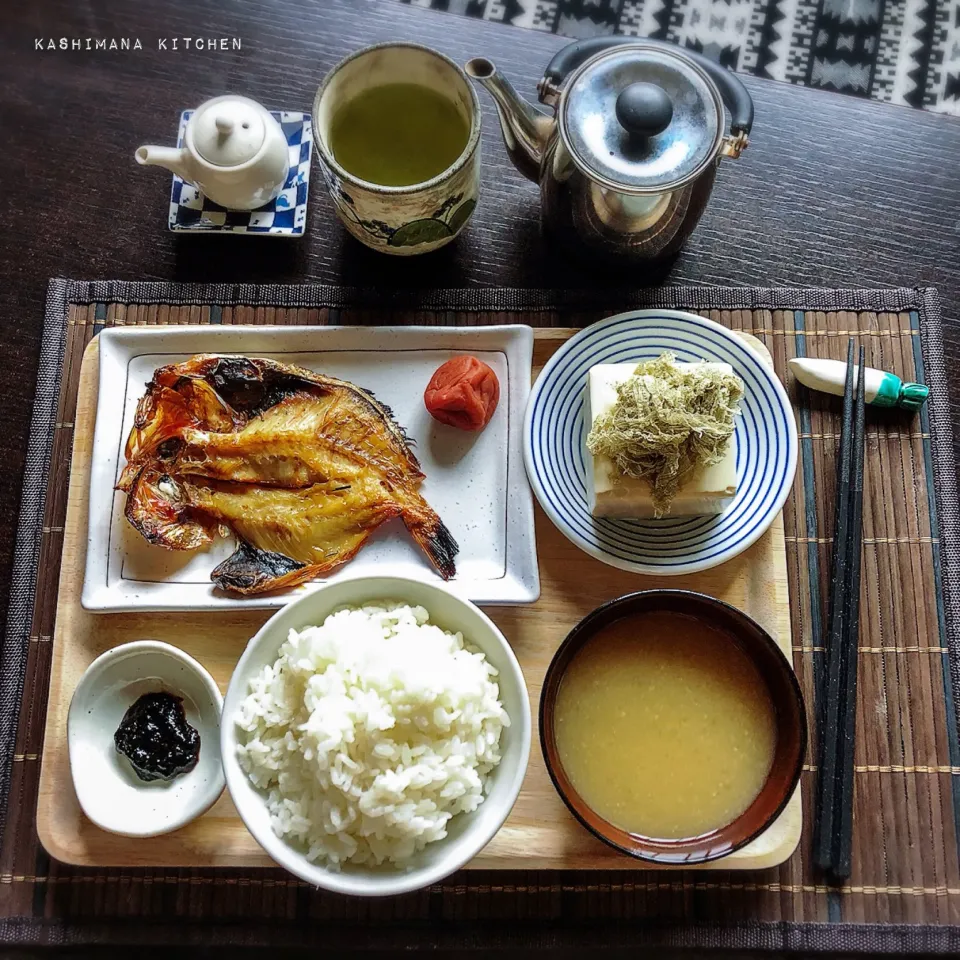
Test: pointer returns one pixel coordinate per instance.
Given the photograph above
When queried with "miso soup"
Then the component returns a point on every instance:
(664, 726)
(398, 134)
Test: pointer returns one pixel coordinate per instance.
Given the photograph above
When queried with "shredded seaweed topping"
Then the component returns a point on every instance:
(668, 422)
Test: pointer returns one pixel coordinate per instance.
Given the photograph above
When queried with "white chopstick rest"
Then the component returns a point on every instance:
(881, 389)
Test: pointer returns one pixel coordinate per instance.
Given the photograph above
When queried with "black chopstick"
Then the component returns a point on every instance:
(829, 709)
(843, 819)
(834, 795)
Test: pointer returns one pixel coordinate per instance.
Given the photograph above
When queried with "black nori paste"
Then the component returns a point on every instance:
(157, 740)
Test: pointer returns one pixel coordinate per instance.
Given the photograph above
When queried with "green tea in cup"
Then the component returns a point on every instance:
(398, 134)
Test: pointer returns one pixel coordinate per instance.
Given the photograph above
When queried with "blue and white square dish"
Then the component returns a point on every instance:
(285, 216)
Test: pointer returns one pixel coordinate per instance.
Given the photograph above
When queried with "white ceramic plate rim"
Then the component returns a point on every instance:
(694, 566)
(88, 681)
(277, 848)
(118, 345)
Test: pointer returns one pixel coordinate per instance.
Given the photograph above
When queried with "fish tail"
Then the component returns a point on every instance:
(435, 539)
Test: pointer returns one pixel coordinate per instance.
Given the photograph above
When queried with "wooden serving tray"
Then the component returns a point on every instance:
(540, 833)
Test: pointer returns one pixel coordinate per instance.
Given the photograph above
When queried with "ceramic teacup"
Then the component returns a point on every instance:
(409, 219)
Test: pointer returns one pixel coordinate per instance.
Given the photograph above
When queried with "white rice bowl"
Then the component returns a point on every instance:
(369, 734)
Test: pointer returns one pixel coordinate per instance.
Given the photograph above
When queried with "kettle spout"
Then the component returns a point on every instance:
(526, 128)
(172, 158)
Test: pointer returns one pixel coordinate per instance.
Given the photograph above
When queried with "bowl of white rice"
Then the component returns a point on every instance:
(375, 734)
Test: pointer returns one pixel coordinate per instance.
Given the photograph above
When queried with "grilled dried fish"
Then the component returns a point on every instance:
(271, 450)
(302, 468)
(157, 506)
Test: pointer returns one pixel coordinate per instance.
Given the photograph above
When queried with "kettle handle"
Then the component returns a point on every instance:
(738, 101)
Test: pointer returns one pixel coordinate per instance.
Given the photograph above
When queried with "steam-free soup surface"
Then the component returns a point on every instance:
(664, 726)
(398, 134)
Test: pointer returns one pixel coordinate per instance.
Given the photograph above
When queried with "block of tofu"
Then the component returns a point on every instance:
(710, 491)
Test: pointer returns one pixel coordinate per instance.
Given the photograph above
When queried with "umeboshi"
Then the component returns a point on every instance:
(464, 392)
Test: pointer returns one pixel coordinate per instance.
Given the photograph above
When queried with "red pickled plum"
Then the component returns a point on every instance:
(464, 393)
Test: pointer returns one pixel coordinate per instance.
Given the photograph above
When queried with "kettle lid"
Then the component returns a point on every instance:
(228, 131)
(640, 118)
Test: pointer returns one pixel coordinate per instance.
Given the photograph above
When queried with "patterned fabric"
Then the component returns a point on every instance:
(899, 51)
(285, 216)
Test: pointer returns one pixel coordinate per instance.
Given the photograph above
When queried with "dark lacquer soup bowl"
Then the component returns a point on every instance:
(785, 697)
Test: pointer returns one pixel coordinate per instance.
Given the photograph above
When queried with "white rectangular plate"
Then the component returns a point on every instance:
(476, 482)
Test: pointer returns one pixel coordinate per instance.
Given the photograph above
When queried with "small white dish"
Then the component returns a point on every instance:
(475, 481)
(556, 458)
(109, 791)
(468, 833)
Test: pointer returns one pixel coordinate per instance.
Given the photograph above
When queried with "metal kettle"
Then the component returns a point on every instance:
(627, 158)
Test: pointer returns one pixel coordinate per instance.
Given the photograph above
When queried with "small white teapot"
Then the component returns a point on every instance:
(234, 151)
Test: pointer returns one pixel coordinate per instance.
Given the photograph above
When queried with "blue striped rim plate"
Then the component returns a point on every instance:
(556, 458)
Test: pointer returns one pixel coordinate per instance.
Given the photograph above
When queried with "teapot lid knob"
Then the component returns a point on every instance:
(224, 124)
(644, 109)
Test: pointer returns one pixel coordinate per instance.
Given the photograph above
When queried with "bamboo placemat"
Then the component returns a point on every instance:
(905, 891)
